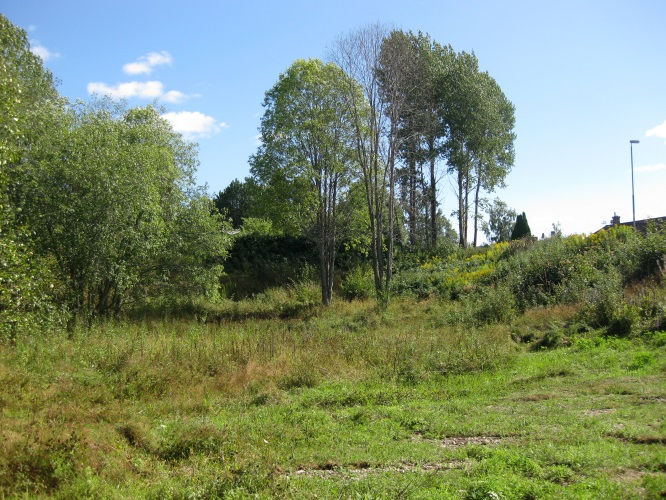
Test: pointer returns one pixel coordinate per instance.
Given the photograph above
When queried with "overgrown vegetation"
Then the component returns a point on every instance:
(446, 392)
(349, 401)
(522, 369)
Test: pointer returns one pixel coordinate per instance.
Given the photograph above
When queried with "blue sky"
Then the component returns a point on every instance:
(584, 76)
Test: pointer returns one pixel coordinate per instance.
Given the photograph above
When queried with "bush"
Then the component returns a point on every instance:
(358, 284)
(535, 276)
(27, 290)
(602, 301)
(303, 297)
(642, 257)
(494, 305)
(624, 321)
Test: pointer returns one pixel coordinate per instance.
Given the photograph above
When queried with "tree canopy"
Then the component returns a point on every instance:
(307, 149)
(98, 202)
(521, 228)
(501, 220)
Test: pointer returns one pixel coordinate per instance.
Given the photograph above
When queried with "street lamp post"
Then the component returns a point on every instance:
(633, 202)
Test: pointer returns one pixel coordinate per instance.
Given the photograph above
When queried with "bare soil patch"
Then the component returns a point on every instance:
(629, 475)
(458, 441)
(536, 397)
(640, 439)
(653, 399)
(597, 412)
(362, 469)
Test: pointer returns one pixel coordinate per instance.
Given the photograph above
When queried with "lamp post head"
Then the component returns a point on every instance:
(634, 141)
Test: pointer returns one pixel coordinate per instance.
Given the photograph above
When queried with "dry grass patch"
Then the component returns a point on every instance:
(596, 413)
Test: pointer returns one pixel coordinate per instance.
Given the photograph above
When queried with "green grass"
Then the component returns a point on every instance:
(348, 402)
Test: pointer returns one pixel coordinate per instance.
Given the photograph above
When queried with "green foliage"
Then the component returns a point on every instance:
(258, 227)
(237, 201)
(305, 145)
(27, 288)
(307, 151)
(501, 220)
(537, 276)
(479, 144)
(640, 256)
(28, 101)
(494, 283)
(494, 305)
(602, 301)
(450, 274)
(357, 284)
(521, 229)
(119, 211)
(97, 201)
(258, 260)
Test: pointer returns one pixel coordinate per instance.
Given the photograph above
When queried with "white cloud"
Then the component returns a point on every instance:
(40, 51)
(32, 28)
(651, 168)
(146, 90)
(174, 96)
(193, 123)
(145, 64)
(658, 131)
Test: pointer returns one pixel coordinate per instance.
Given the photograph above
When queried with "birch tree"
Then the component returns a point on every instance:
(307, 137)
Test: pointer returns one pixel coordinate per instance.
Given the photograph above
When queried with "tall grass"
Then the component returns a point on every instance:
(67, 404)
(96, 411)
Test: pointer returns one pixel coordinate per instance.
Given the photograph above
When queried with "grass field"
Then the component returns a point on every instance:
(348, 402)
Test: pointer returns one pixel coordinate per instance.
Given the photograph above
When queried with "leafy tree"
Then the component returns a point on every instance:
(308, 147)
(420, 60)
(479, 123)
(237, 200)
(376, 95)
(494, 150)
(111, 196)
(501, 220)
(26, 94)
(521, 228)
(357, 54)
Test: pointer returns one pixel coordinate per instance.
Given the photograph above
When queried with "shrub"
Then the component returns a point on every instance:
(28, 290)
(358, 284)
(602, 301)
(642, 257)
(494, 304)
(554, 337)
(536, 276)
(624, 320)
(303, 297)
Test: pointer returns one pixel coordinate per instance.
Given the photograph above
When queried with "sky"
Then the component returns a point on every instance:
(585, 77)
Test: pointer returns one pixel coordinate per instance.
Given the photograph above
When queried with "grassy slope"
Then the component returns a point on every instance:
(351, 402)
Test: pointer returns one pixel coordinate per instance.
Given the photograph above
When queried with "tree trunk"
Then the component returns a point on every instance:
(326, 222)
(433, 194)
(412, 196)
(462, 229)
(476, 207)
(391, 220)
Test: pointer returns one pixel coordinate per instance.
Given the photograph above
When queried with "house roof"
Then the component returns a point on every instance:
(641, 225)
